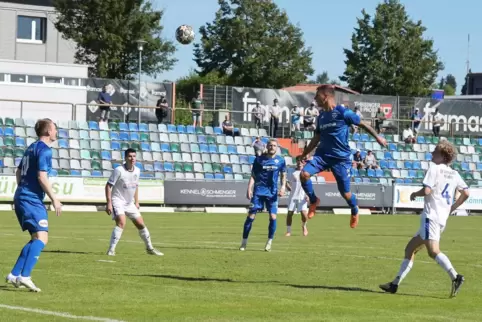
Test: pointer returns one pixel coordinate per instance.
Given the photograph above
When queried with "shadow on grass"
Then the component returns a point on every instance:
(334, 288)
(201, 279)
(9, 288)
(66, 252)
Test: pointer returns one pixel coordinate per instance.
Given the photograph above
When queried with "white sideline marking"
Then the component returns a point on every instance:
(59, 314)
(105, 261)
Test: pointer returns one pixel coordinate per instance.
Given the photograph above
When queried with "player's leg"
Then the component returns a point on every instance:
(119, 217)
(272, 207)
(413, 246)
(138, 221)
(431, 236)
(303, 210)
(313, 166)
(289, 218)
(255, 206)
(342, 174)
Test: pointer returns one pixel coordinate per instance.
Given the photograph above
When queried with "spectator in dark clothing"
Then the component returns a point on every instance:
(380, 118)
(258, 146)
(357, 160)
(104, 98)
(228, 127)
(161, 110)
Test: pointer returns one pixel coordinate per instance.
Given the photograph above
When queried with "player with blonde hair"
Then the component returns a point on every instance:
(439, 186)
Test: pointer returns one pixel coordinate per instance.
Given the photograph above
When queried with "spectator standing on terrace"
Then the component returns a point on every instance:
(309, 119)
(228, 127)
(407, 135)
(104, 98)
(416, 120)
(197, 107)
(161, 109)
(370, 160)
(258, 115)
(259, 146)
(296, 114)
(437, 122)
(380, 118)
(275, 113)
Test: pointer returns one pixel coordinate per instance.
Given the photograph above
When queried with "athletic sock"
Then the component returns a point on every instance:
(32, 257)
(146, 237)
(271, 228)
(405, 268)
(247, 227)
(445, 263)
(17, 269)
(115, 237)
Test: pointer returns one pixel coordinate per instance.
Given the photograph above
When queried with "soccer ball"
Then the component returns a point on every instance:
(185, 34)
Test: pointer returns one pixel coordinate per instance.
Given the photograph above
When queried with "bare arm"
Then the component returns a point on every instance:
(136, 196)
(425, 191)
(251, 183)
(313, 144)
(368, 128)
(18, 176)
(464, 195)
(283, 180)
(108, 193)
(44, 182)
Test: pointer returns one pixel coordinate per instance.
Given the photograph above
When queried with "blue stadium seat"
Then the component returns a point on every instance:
(219, 176)
(140, 166)
(115, 145)
(354, 172)
(358, 180)
(124, 136)
(190, 129)
(388, 156)
(105, 155)
(115, 165)
(232, 149)
(227, 169)
(421, 140)
(20, 142)
(408, 165)
(379, 173)
(145, 146)
(265, 140)
(218, 131)
(133, 127)
(364, 137)
(123, 127)
(147, 175)
(168, 167)
(143, 127)
(412, 173)
(171, 128)
(383, 164)
(465, 166)
(223, 149)
(417, 165)
(75, 173)
(149, 167)
(407, 181)
(181, 128)
(114, 136)
(134, 136)
(52, 173)
(251, 159)
(158, 166)
(392, 147)
(428, 156)
(243, 159)
(366, 180)
(97, 173)
(165, 147)
(363, 154)
(356, 137)
(203, 148)
(480, 141)
(62, 133)
(63, 144)
(371, 172)
(201, 139)
(93, 125)
(479, 166)
(208, 176)
(213, 148)
(392, 164)
(399, 181)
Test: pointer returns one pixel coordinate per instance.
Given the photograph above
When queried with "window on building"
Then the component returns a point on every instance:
(31, 29)
(53, 80)
(2, 77)
(32, 79)
(17, 78)
(71, 81)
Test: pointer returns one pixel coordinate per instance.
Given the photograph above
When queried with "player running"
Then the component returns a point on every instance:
(263, 190)
(333, 151)
(439, 186)
(32, 185)
(298, 200)
(122, 194)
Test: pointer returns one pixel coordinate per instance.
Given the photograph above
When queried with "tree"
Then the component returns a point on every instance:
(442, 83)
(105, 33)
(449, 90)
(253, 44)
(389, 55)
(322, 78)
(450, 80)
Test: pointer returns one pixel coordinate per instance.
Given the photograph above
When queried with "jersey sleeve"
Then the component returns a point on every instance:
(282, 167)
(44, 160)
(430, 176)
(461, 185)
(114, 176)
(351, 118)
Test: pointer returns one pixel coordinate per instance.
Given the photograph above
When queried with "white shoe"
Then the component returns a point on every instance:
(12, 279)
(111, 252)
(154, 251)
(28, 283)
(242, 247)
(267, 248)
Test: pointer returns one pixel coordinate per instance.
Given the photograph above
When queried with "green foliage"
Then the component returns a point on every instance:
(106, 32)
(184, 116)
(323, 78)
(389, 55)
(448, 90)
(450, 80)
(253, 44)
(187, 86)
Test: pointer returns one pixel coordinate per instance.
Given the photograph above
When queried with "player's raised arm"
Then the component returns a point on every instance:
(310, 147)
(351, 118)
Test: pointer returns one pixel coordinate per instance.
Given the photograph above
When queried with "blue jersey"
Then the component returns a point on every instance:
(37, 157)
(266, 171)
(334, 127)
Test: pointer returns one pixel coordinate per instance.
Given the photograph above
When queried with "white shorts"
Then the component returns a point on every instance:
(430, 229)
(129, 210)
(298, 205)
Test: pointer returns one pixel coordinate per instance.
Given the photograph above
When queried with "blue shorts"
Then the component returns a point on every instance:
(31, 215)
(258, 203)
(340, 168)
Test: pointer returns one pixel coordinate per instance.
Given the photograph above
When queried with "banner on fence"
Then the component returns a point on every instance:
(125, 92)
(234, 194)
(402, 198)
(85, 189)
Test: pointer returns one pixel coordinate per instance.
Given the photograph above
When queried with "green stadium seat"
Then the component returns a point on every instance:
(420, 174)
(113, 126)
(144, 137)
(104, 135)
(457, 166)
(96, 165)
(199, 130)
(62, 172)
(408, 148)
(459, 141)
(136, 146)
(19, 153)
(95, 155)
(208, 167)
(9, 121)
(362, 172)
(8, 141)
(188, 167)
(1, 121)
(175, 147)
(124, 146)
(178, 167)
(217, 168)
(211, 140)
(8, 152)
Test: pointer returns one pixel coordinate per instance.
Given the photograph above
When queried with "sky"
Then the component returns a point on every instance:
(448, 23)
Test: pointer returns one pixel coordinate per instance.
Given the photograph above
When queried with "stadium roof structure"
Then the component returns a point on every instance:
(312, 88)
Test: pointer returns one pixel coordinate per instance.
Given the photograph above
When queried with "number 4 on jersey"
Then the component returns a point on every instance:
(446, 194)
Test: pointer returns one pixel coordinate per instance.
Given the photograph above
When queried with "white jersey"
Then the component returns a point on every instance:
(297, 192)
(124, 185)
(443, 181)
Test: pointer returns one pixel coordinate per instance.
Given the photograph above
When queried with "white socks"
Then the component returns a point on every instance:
(288, 229)
(404, 270)
(115, 237)
(146, 237)
(445, 263)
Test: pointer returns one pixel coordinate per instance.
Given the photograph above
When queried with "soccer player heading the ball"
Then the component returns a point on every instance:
(263, 190)
(333, 151)
(439, 186)
(32, 185)
(122, 194)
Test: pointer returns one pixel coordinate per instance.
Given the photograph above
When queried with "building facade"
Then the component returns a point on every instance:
(27, 33)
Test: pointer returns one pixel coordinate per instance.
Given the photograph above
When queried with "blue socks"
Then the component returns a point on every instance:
(353, 203)
(271, 228)
(36, 248)
(247, 227)
(17, 269)
(308, 188)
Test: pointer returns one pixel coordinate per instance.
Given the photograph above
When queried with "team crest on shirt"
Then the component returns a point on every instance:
(135, 177)
(334, 114)
(276, 161)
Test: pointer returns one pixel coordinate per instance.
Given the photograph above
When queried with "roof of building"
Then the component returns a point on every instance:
(44, 3)
(312, 88)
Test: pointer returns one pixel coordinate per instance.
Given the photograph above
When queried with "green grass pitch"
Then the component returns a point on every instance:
(331, 275)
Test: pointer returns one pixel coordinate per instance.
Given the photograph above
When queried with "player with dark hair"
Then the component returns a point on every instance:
(263, 190)
(122, 195)
(333, 151)
(32, 185)
(438, 191)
